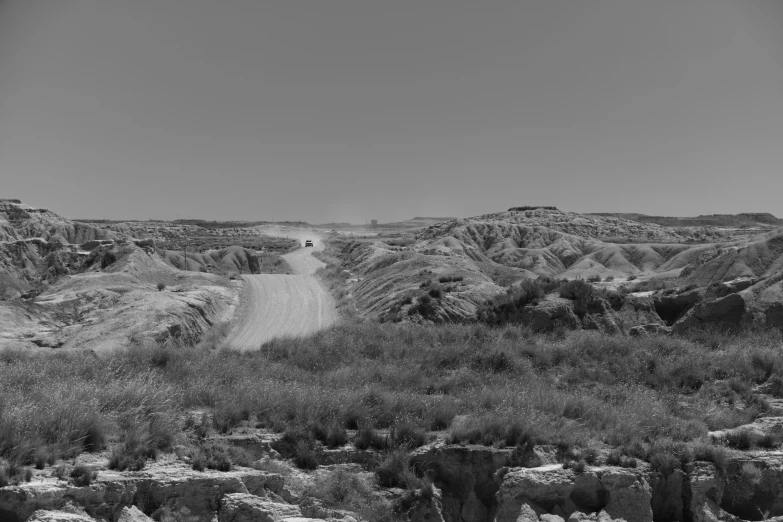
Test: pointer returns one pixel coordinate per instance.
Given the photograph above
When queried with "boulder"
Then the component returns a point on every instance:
(549, 314)
(58, 516)
(133, 514)
(173, 485)
(242, 507)
(629, 496)
(637, 311)
(552, 490)
(725, 311)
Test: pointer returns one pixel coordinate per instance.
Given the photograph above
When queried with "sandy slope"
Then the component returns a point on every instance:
(283, 305)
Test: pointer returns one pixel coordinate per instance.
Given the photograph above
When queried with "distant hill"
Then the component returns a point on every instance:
(417, 222)
(461, 263)
(743, 220)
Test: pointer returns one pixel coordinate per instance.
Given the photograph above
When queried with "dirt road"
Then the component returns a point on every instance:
(273, 305)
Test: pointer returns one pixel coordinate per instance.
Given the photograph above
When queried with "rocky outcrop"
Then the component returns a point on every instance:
(724, 312)
(638, 311)
(549, 314)
(242, 507)
(173, 486)
(428, 508)
(673, 307)
(133, 514)
(58, 516)
(467, 477)
(552, 490)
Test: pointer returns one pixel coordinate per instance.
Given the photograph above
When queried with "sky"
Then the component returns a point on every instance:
(351, 110)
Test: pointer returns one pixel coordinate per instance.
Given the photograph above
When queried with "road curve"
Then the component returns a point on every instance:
(274, 305)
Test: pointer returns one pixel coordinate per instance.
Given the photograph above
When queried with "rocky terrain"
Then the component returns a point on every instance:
(449, 270)
(75, 285)
(396, 422)
(467, 483)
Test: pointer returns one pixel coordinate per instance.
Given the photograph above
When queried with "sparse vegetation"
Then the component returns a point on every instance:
(508, 307)
(567, 389)
(82, 475)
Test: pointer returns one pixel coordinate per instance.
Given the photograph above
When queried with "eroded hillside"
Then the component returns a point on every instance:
(450, 270)
(67, 284)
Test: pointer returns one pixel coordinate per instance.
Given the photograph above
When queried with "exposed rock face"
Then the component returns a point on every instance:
(175, 486)
(551, 313)
(241, 507)
(466, 476)
(636, 311)
(754, 486)
(133, 514)
(704, 492)
(429, 510)
(671, 308)
(58, 516)
(725, 311)
(557, 491)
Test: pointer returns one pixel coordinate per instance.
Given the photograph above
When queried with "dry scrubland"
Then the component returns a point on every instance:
(486, 354)
(654, 399)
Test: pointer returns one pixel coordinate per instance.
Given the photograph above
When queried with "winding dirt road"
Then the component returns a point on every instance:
(273, 305)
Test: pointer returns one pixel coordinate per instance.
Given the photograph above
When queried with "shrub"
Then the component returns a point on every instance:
(219, 456)
(408, 435)
(336, 436)
(14, 474)
(436, 292)
(395, 471)
(367, 438)
(339, 487)
(609, 278)
(739, 439)
(161, 286)
(614, 458)
(81, 475)
(576, 290)
(508, 307)
(62, 471)
(776, 386)
(594, 279)
(305, 457)
(665, 463)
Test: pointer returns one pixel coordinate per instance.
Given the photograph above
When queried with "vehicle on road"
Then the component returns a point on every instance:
(308, 243)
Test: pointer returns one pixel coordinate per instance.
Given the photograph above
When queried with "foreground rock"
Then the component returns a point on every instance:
(620, 493)
(170, 485)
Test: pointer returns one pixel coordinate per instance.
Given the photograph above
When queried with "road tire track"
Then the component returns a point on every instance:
(275, 306)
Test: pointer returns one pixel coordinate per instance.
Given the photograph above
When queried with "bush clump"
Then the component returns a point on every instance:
(367, 438)
(395, 472)
(576, 290)
(81, 475)
(508, 307)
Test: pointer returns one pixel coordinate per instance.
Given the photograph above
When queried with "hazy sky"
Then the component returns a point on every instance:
(334, 110)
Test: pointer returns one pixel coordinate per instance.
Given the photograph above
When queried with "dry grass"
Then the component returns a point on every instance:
(649, 396)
